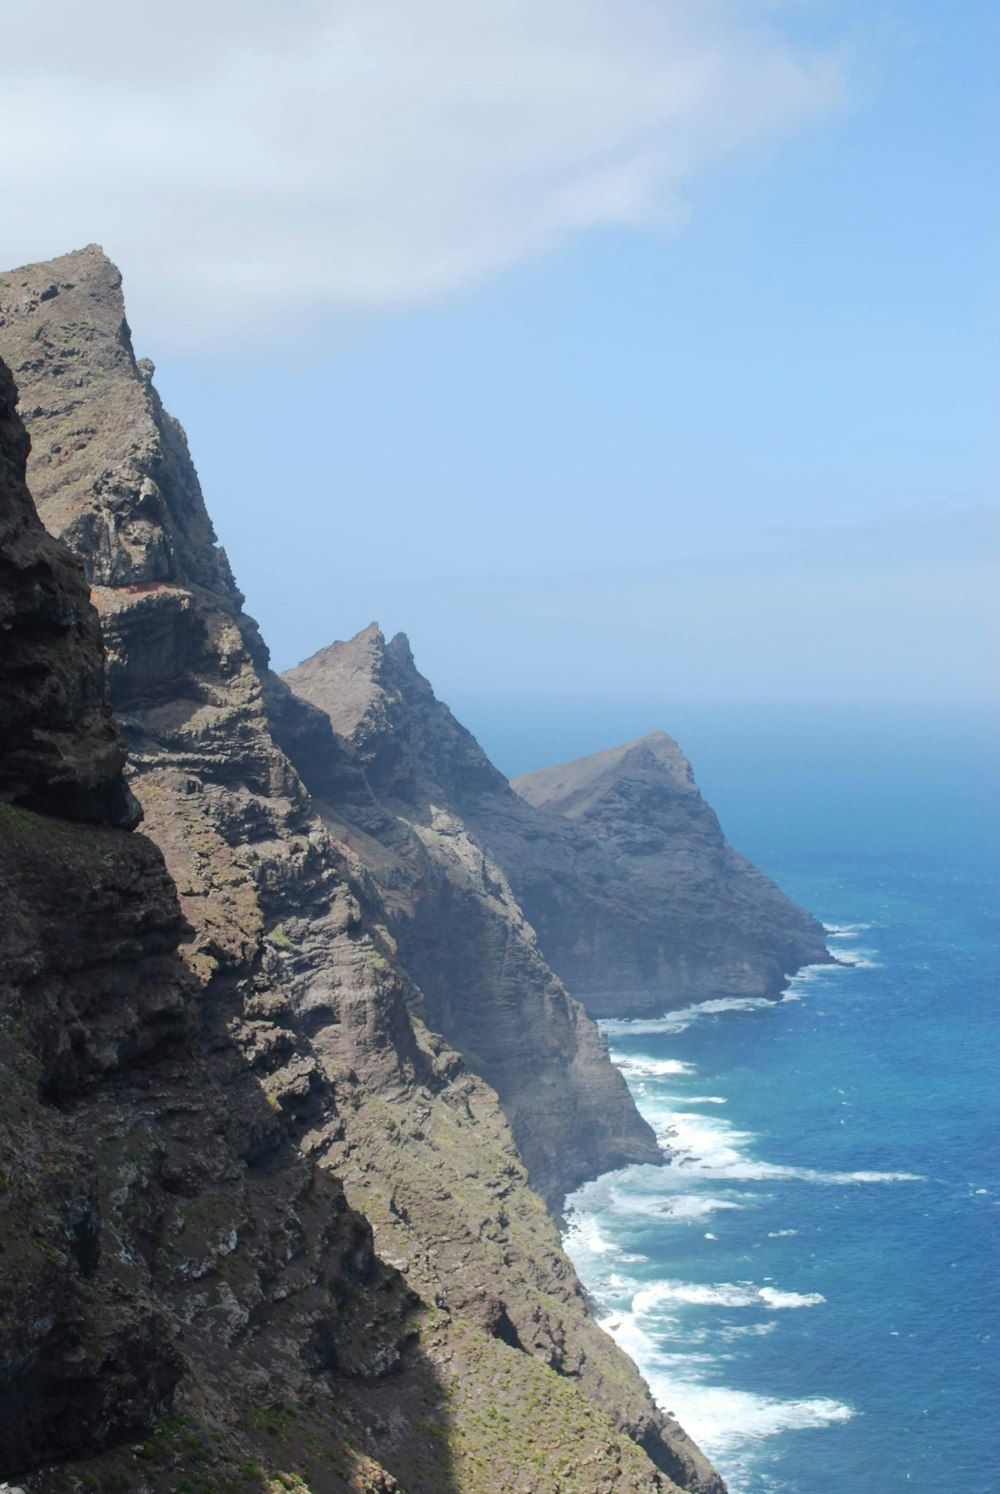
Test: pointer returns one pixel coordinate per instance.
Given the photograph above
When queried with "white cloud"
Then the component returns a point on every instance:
(249, 159)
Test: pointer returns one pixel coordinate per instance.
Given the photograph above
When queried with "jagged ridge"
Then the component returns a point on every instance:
(451, 912)
(615, 861)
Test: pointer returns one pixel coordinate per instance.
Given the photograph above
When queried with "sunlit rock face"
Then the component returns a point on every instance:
(309, 1211)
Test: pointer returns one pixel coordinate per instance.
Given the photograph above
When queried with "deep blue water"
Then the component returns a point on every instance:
(812, 1283)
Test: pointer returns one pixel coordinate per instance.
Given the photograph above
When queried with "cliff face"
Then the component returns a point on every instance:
(313, 1070)
(59, 746)
(615, 862)
(163, 1247)
(664, 911)
(452, 915)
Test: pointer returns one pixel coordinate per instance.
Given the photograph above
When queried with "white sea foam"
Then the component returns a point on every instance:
(720, 1294)
(771, 1297)
(708, 1146)
(749, 1330)
(582, 1233)
(637, 1067)
(860, 959)
(722, 1420)
(765, 1172)
(678, 1020)
(845, 930)
(682, 1333)
(694, 1205)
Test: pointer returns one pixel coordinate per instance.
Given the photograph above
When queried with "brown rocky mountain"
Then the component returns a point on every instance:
(312, 1204)
(616, 862)
(164, 1246)
(451, 913)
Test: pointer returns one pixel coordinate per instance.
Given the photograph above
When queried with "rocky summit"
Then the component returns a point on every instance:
(267, 1173)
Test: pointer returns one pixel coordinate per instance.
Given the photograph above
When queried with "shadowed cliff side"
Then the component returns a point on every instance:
(59, 745)
(296, 979)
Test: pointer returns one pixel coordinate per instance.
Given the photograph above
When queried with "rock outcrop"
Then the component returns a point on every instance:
(451, 913)
(456, 1350)
(615, 862)
(651, 908)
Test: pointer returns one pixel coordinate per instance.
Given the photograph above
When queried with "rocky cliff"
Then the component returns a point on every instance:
(615, 862)
(452, 915)
(657, 910)
(452, 1345)
(172, 1272)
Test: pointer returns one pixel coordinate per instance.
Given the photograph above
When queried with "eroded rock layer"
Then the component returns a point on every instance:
(311, 1074)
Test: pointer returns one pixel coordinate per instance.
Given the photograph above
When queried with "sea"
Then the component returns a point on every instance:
(811, 1283)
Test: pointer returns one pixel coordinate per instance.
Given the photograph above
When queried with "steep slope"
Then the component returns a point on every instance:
(619, 865)
(59, 745)
(297, 984)
(450, 910)
(676, 915)
(155, 1221)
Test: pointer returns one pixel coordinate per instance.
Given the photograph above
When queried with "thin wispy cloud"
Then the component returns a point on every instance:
(248, 161)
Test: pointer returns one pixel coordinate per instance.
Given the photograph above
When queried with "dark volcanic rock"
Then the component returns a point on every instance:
(89, 983)
(229, 1173)
(59, 746)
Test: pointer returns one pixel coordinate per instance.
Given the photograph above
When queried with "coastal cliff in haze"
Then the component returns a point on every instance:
(655, 910)
(623, 883)
(451, 912)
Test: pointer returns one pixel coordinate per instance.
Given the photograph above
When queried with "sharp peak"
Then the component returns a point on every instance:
(658, 741)
(612, 761)
(397, 648)
(659, 737)
(88, 254)
(371, 642)
(372, 634)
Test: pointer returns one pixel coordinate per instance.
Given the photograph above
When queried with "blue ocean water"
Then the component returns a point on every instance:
(811, 1284)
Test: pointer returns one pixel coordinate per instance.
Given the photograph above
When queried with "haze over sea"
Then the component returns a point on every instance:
(811, 1284)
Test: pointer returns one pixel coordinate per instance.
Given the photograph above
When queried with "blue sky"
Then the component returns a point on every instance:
(714, 427)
